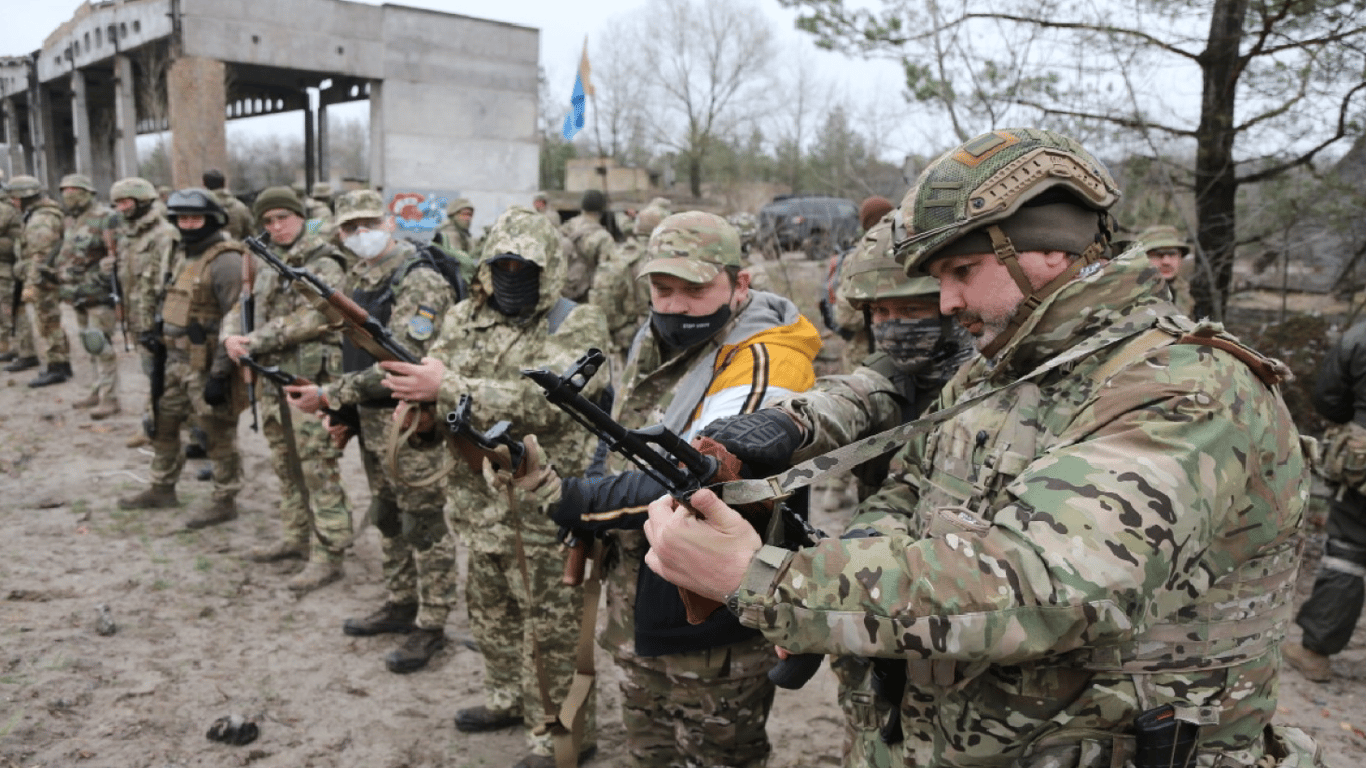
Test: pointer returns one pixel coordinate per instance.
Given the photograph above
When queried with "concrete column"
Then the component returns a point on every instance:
(17, 166)
(125, 119)
(80, 124)
(377, 146)
(40, 127)
(310, 170)
(196, 97)
(324, 161)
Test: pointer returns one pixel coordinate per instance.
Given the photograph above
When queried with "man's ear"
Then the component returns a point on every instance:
(742, 280)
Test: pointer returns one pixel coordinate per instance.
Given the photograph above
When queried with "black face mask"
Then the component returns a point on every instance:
(516, 293)
(192, 236)
(679, 331)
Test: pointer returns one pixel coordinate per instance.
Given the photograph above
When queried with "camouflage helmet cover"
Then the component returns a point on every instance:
(988, 179)
(359, 204)
(196, 201)
(1163, 236)
(649, 218)
(692, 245)
(77, 181)
(872, 272)
(24, 187)
(135, 188)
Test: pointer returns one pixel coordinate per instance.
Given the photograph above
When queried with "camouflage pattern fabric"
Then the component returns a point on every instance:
(593, 245)
(145, 247)
(457, 236)
(1047, 557)
(241, 224)
(19, 337)
(485, 352)
(40, 241)
(622, 295)
(105, 364)
(183, 401)
(1181, 295)
(417, 546)
(84, 246)
(700, 709)
(864, 715)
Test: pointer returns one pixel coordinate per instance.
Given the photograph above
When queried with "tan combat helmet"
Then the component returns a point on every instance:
(1008, 192)
(77, 181)
(24, 187)
(872, 273)
(135, 188)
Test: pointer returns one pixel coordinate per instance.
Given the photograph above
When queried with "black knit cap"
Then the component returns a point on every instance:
(594, 200)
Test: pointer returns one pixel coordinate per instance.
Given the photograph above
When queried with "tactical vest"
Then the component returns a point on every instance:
(191, 304)
(318, 359)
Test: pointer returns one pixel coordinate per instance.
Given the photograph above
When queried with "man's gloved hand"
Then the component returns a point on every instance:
(765, 439)
(216, 390)
(150, 341)
(539, 484)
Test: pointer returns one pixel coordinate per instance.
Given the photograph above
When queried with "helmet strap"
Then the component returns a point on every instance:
(1005, 253)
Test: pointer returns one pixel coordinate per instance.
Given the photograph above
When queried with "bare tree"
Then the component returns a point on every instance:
(1280, 81)
(618, 122)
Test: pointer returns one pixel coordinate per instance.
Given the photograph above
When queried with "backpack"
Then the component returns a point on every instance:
(445, 265)
(1343, 456)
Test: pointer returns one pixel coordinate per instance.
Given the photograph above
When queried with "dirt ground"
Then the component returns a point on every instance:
(202, 634)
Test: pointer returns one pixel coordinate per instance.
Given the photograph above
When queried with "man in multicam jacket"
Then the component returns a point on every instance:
(286, 331)
(86, 241)
(240, 221)
(593, 243)
(514, 319)
(39, 245)
(395, 286)
(13, 344)
(1112, 534)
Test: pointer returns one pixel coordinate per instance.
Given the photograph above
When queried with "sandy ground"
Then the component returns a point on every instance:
(202, 634)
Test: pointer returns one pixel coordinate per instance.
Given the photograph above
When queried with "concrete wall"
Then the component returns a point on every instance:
(314, 35)
(85, 39)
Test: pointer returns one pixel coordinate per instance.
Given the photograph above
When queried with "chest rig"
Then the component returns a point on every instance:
(191, 303)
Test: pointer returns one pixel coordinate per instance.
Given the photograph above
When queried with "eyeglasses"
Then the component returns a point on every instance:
(278, 218)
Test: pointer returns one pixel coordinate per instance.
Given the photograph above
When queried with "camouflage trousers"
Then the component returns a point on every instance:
(182, 400)
(105, 363)
(16, 330)
(47, 326)
(864, 715)
(325, 521)
(700, 709)
(514, 624)
(418, 548)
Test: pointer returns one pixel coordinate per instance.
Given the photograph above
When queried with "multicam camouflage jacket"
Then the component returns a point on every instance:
(623, 297)
(145, 247)
(593, 245)
(286, 330)
(1114, 535)
(485, 352)
(39, 243)
(11, 224)
(87, 239)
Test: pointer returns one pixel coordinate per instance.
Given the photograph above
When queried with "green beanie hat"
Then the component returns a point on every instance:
(272, 198)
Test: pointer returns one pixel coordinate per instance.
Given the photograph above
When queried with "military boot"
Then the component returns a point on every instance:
(481, 718)
(391, 617)
(89, 401)
(56, 373)
(155, 497)
(138, 440)
(1314, 666)
(8, 355)
(22, 364)
(314, 576)
(217, 511)
(283, 549)
(548, 761)
(108, 407)
(416, 651)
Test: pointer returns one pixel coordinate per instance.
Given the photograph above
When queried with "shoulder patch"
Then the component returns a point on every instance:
(422, 324)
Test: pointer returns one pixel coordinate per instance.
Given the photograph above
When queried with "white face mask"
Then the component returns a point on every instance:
(367, 243)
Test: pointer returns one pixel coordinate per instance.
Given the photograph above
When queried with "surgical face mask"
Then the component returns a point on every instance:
(75, 199)
(367, 243)
(930, 348)
(679, 331)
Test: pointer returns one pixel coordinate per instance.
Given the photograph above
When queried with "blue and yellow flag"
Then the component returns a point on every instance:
(583, 87)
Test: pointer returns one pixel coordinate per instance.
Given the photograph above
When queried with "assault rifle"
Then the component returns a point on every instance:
(248, 309)
(345, 415)
(346, 315)
(502, 450)
(116, 289)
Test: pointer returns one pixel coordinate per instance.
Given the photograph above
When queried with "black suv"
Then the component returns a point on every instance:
(820, 226)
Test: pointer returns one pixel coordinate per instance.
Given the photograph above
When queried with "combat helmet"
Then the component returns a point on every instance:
(196, 201)
(77, 181)
(872, 272)
(648, 218)
(1008, 192)
(135, 188)
(24, 187)
(1163, 236)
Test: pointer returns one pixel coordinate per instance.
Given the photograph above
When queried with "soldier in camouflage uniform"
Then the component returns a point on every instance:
(618, 289)
(515, 319)
(145, 244)
(398, 288)
(40, 244)
(1112, 534)
(455, 230)
(541, 202)
(13, 344)
(1166, 250)
(240, 222)
(89, 238)
(286, 331)
(200, 379)
(319, 204)
(593, 243)
(692, 694)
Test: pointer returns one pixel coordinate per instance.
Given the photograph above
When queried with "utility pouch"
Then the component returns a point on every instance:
(196, 333)
(1343, 455)
(1163, 741)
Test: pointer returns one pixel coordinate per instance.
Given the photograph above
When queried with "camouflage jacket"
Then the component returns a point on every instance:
(145, 248)
(86, 240)
(1181, 295)
(618, 292)
(40, 242)
(1114, 535)
(421, 299)
(240, 221)
(11, 227)
(456, 237)
(286, 330)
(485, 352)
(593, 245)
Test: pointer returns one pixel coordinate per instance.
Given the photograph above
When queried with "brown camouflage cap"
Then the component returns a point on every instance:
(694, 246)
(359, 204)
(1163, 236)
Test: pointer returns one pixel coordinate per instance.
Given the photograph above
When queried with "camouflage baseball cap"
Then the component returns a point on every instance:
(1163, 236)
(692, 245)
(77, 181)
(359, 204)
(133, 187)
(989, 179)
(24, 186)
(871, 272)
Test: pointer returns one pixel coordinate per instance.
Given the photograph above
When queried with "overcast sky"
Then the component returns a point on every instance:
(563, 26)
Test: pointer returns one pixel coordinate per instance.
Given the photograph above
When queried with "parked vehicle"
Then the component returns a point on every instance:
(818, 225)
